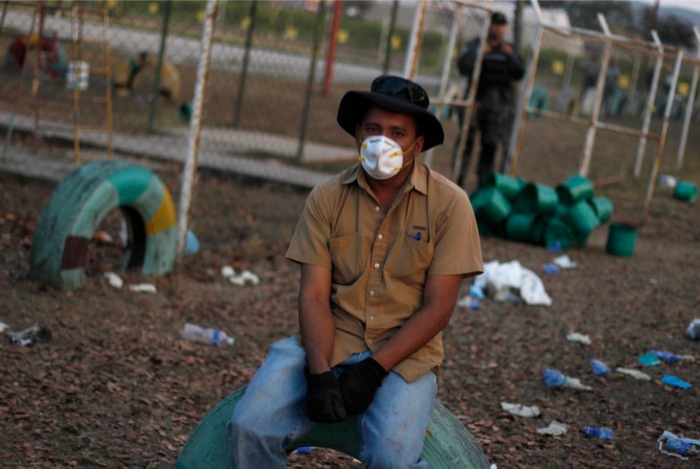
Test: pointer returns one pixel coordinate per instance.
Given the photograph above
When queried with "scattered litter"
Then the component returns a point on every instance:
(512, 282)
(554, 429)
(476, 292)
(599, 367)
(557, 379)
(3, 326)
(551, 269)
(474, 304)
(666, 356)
(227, 271)
(675, 382)
(143, 288)
(667, 181)
(191, 244)
(464, 302)
(245, 278)
(114, 279)
(564, 262)
(555, 247)
(649, 359)
(634, 373)
(207, 336)
(677, 446)
(599, 432)
(37, 332)
(577, 337)
(693, 331)
(521, 410)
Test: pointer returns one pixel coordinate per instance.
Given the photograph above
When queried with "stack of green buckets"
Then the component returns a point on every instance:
(535, 213)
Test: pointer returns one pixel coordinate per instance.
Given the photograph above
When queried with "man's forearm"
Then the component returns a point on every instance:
(317, 333)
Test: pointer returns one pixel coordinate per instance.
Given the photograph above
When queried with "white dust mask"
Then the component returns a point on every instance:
(381, 157)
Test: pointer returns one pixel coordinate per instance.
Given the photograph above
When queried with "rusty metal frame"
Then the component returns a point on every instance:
(690, 103)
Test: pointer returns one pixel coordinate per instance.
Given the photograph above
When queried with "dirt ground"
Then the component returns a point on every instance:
(116, 386)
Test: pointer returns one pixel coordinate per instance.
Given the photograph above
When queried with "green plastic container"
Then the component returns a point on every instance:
(493, 205)
(519, 226)
(603, 208)
(574, 189)
(536, 198)
(685, 191)
(621, 239)
(582, 219)
(537, 230)
(557, 232)
(507, 185)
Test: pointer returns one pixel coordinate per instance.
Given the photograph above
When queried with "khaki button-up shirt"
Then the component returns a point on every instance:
(379, 262)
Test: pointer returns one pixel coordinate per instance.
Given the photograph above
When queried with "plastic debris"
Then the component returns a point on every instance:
(557, 379)
(675, 446)
(555, 247)
(509, 281)
(599, 367)
(207, 336)
(564, 262)
(191, 244)
(649, 359)
(667, 181)
(550, 269)
(476, 292)
(634, 373)
(37, 332)
(3, 326)
(554, 429)
(114, 279)
(521, 410)
(675, 382)
(245, 278)
(693, 331)
(227, 271)
(143, 288)
(474, 304)
(304, 449)
(599, 432)
(577, 337)
(666, 356)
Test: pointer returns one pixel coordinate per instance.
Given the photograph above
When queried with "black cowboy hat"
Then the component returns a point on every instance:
(396, 94)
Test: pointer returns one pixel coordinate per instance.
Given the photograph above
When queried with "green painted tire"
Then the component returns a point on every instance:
(80, 203)
(447, 443)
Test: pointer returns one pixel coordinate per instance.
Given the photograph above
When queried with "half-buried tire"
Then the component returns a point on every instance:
(80, 203)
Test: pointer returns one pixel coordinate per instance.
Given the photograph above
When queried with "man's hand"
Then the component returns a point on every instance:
(506, 49)
(359, 384)
(324, 402)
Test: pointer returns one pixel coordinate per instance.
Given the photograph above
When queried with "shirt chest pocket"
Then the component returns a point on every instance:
(410, 261)
(346, 258)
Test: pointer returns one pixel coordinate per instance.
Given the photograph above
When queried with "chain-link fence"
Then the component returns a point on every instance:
(267, 94)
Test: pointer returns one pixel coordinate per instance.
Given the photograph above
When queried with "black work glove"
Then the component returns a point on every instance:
(359, 384)
(324, 403)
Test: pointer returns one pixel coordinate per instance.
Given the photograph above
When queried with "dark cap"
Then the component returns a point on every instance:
(396, 94)
(498, 18)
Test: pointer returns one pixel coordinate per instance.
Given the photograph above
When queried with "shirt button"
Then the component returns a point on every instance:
(376, 266)
(369, 341)
(371, 293)
(380, 236)
(371, 318)
(377, 208)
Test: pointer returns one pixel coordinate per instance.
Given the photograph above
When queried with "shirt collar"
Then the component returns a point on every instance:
(416, 180)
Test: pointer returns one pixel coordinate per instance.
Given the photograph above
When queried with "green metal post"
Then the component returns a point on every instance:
(244, 70)
(392, 24)
(159, 65)
(318, 30)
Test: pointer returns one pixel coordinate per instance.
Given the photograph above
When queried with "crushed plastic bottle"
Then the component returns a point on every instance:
(551, 269)
(693, 331)
(599, 367)
(554, 429)
(675, 446)
(521, 410)
(207, 336)
(577, 337)
(666, 356)
(599, 432)
(554, 378)
(474, 304)
(634, 373)
(675, 382)
(649, 359)
(476, 291)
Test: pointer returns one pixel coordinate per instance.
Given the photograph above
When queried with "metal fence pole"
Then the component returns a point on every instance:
(195, 126)
(318, 30)
(159, 65)
(244, 69)
(689, 104)
(332, 42)
(664, 129)
(392, 25)
(590, 135)
(650, 104)
(411, 63)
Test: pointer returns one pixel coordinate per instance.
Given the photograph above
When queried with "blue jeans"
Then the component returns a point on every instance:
(272, 414)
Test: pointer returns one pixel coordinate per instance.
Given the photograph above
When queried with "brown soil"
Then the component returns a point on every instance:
(118, 387)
